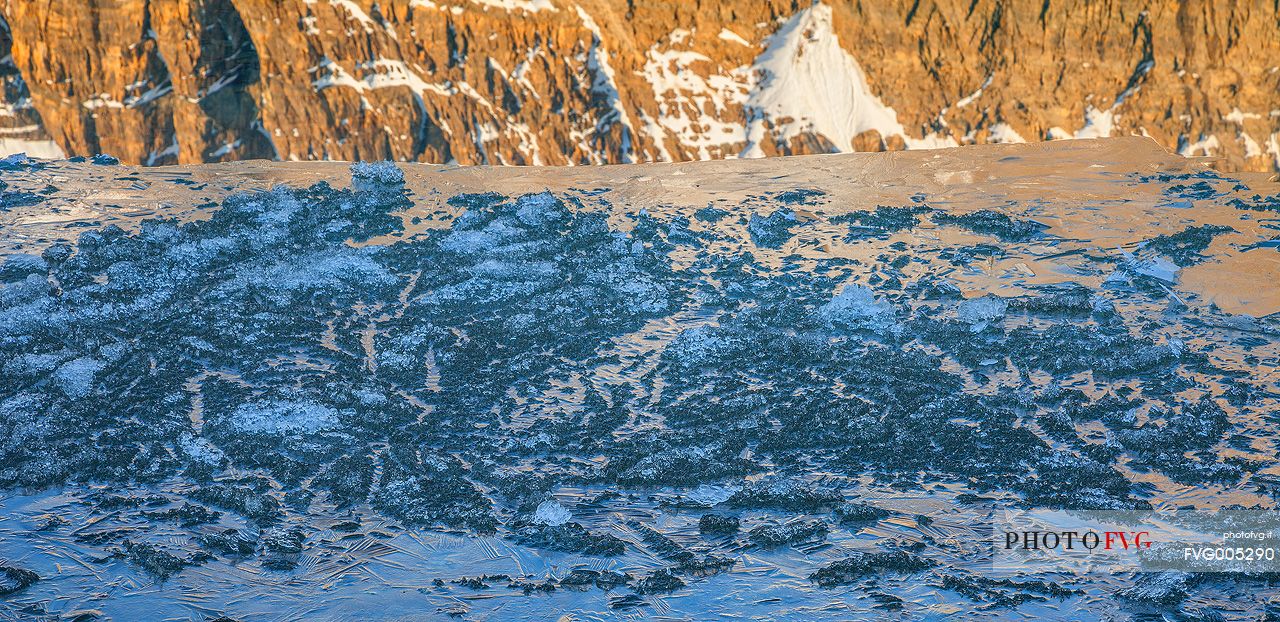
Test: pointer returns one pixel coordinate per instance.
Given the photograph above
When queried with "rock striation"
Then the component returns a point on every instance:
(530, 82)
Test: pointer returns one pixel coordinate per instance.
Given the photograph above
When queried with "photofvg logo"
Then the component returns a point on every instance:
(1127, 541)
(1071, 540)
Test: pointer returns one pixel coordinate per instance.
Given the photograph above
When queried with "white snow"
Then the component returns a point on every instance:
(809, 84)
(1100, 123)
(1004, 133)
(171, 151)
(428, 4)
(1057, 133)
(1238, 116)
(102, 100)
(486, 132)
(10, 109)
(551, 514)
(225, 149)
(733, 37)
(972, 97)
(521, 72)
(1205, 146)
(354, 12)
(1273, 148)
(528, 141)
(655, 134)
(380, 73)
(1097, 123)
(150, 95)
(691, 108)
(1251, 147)
(383, 73)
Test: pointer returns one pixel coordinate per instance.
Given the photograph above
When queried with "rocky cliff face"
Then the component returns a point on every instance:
(596, 81)
(21, 130)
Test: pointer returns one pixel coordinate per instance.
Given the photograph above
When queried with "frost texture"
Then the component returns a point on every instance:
(281, 417)
(273, 361)
(75, 378)
(301, 349)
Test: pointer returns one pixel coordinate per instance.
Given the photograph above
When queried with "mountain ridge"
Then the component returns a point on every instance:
(555, 82)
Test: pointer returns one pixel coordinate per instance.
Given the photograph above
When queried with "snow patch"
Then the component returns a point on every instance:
(357, 14)
(1238, 116)
(1251, 147)
(101, 101)
(690, 107)
(1273, 148)
(1057, 133)
(1004, 133)
(1097, 123)
(171, 151)
(972, 97)
(809, 84)
(1100, 123)
(225, 149)
(1205, 146)
(733, 37)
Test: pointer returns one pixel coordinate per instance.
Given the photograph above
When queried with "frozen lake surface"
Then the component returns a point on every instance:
(782, 389)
